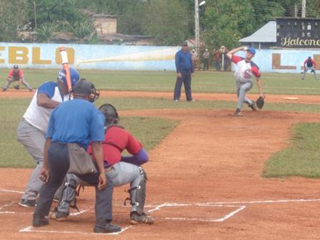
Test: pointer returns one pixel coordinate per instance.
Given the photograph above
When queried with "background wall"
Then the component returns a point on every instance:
(111, 57)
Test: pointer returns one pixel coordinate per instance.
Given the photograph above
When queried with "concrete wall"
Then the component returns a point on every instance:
(111, 57)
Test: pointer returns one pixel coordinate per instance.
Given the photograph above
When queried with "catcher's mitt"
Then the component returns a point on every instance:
(17, 87)
(260, 102)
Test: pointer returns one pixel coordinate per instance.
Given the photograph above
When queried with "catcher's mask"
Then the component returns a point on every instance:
(84, 88)
(110, 113)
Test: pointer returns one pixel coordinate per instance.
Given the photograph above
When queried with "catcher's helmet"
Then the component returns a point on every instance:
(84, 88)
(74, 76)
(110, 113)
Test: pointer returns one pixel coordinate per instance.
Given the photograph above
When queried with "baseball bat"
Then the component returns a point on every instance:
(158, 55)
(65, 65)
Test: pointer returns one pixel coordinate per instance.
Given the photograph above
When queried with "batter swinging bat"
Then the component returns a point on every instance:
(65, 65)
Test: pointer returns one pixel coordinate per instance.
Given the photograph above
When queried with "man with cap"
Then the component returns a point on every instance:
(205, 56)
(33, 127)
(185, 71)
(246, 69)
(16, 75)
(75, 122)
(309, 64)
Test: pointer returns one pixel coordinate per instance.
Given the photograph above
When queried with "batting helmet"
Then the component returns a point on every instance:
(110, 113)
(84, 88)
(74, 76)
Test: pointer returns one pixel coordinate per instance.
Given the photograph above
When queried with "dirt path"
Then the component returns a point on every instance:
(198, 96)
(208, 172)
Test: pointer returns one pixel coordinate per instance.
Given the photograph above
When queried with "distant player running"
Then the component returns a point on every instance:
(309, 64)
(243, 75)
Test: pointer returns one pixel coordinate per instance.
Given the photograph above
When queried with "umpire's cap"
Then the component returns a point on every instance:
(83, 87)
(110, 113)
(74, 76)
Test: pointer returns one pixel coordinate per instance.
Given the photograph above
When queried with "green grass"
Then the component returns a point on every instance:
(150, 131)
(203, 82)
(302, 158)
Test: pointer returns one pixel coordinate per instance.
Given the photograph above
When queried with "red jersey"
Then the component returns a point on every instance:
(15, 74)
(116, 140)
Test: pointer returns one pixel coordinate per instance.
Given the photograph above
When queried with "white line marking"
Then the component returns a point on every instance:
(31, 229)
(78, 213)
(11, 191)
(7, 205)
(231, 214)
(10, 212)
(265, 201)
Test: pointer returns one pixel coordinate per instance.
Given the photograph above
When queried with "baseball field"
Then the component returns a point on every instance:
(210, 175)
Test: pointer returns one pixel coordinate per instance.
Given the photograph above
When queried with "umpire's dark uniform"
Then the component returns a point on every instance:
(184, 66)
(75, 121)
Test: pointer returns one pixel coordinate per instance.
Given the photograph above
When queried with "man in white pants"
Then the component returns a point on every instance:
(33, 127)
(243, 75)
(120, 170)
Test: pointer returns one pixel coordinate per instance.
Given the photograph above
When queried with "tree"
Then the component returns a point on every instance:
(12, 19)
(167, 21)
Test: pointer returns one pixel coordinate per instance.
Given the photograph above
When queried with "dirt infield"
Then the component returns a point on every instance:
(204, 182)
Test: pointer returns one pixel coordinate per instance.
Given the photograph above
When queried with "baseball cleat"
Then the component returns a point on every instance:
(27, 203)
(253, 106)
(39, 222)
(143, 218)
(238, 113)
(59, 216)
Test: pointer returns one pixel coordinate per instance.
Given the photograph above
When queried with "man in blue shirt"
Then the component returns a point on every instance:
(76, 121)
(185, 70)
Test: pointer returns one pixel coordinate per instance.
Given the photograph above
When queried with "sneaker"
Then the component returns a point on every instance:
(238, 113)
(176, 100)
(30, 90)
(143, 218)
(59, 216)
(253, 106)
(27, 203)
(192, 100)
(108, 228)
(39, 222)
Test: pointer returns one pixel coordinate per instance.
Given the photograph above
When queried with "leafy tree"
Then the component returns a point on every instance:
(227, 21)
(46, 32)
(12, 19)
(167, 21)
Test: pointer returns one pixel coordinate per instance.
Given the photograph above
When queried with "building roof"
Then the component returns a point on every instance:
(267, 33)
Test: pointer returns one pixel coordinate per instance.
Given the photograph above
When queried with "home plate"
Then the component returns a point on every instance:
(291, 98)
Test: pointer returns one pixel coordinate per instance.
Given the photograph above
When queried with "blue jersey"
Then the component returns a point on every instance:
(184, 62)
(76, 121)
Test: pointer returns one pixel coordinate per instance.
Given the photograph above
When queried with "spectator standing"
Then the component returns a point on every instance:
(206, 56)
(217, 59)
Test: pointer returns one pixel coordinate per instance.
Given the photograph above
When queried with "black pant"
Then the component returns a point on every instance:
(58, 159)
(205, 64)
(186, 80)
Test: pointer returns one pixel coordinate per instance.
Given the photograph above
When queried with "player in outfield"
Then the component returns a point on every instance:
(309, 64)
(246, 69)
(16, 75)
(33, 127)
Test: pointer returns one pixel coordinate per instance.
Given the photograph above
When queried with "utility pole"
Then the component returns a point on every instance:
(197, 30)
(303, 8)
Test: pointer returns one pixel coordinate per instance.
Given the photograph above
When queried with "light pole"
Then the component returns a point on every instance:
(197, 25)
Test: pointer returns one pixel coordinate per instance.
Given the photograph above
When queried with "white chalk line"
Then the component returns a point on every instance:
(31, 229)
(264, 201)
(11, 191)
(7, 205)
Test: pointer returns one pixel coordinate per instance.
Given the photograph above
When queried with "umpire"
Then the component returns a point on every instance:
(76, 121)
(185, 71)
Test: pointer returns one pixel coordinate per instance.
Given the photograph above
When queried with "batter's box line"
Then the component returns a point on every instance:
(224, 218)
(31, 229)
(11, 191)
